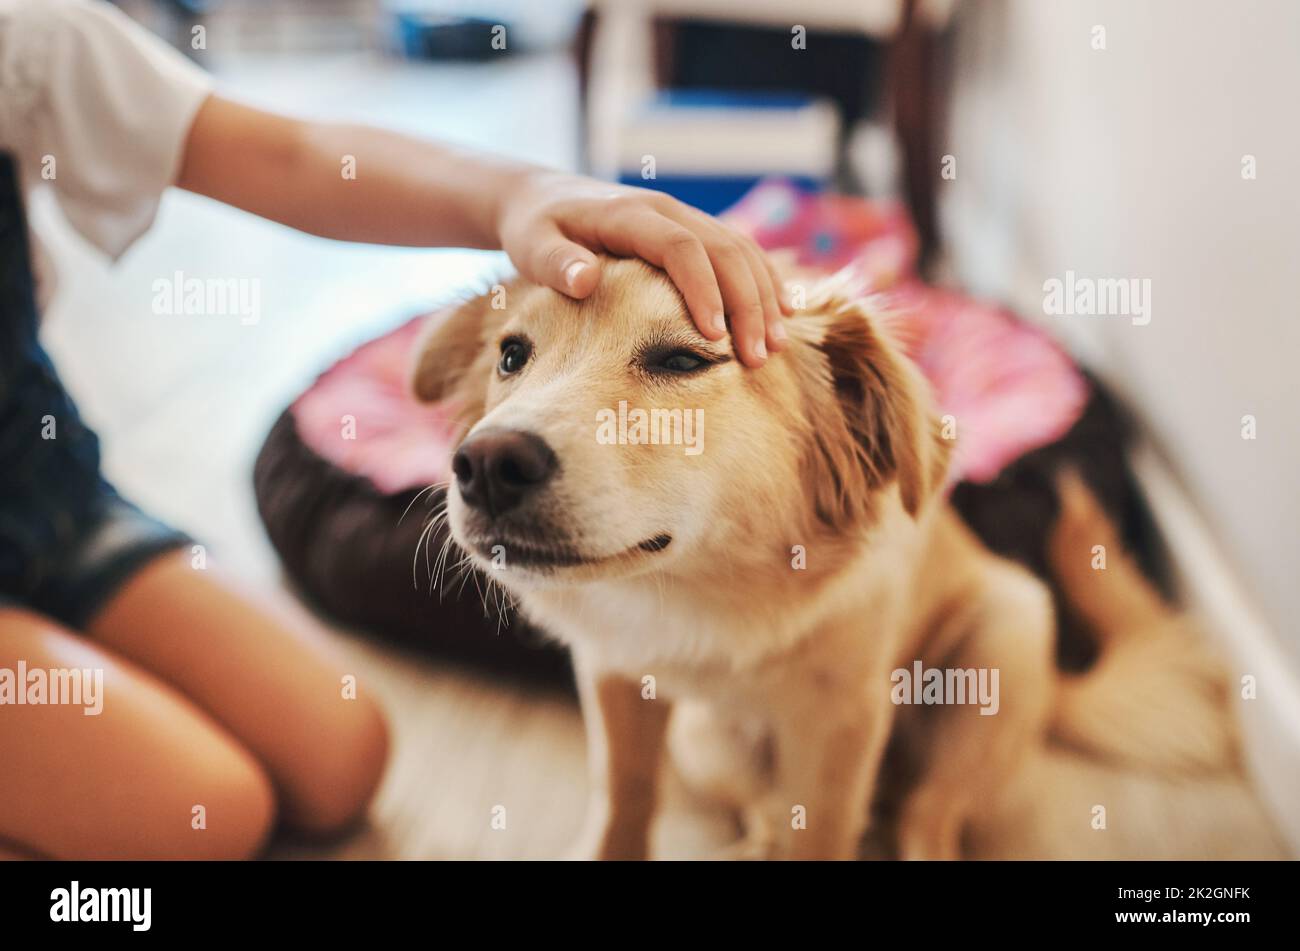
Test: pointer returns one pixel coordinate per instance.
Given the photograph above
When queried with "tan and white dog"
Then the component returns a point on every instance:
(767, 550)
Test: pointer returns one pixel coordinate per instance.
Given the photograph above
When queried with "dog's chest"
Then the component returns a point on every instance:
(642, 632)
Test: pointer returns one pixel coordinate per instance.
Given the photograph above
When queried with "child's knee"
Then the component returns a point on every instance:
(344, 772)
(241, 817)
(221, 808)
(232, 816)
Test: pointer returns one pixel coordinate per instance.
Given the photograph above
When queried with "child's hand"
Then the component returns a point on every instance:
(550, 224)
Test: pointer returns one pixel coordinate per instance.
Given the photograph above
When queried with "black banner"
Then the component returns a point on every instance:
(139, 901)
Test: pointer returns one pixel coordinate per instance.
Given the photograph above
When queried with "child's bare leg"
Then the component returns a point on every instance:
(273, 682)
(123, 783)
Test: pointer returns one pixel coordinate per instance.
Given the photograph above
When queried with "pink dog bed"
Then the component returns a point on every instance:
(400, 444)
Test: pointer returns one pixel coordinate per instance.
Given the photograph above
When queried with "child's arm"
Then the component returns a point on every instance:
(412, 192)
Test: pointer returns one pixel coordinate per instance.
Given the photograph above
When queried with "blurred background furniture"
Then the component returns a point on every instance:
(870, 61)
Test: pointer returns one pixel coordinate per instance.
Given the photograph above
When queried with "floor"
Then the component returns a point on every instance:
(183, 403)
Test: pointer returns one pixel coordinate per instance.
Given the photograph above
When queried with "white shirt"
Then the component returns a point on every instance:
(96, 106)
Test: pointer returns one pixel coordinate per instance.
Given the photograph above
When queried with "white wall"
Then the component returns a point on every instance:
(1125, 163)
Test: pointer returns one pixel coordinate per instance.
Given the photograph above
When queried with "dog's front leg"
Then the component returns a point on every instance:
(826, 765)
(625, 738)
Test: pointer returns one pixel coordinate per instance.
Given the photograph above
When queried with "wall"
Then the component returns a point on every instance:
(1127, 163)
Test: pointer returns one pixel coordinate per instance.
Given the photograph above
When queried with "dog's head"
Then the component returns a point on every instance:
(608, 438)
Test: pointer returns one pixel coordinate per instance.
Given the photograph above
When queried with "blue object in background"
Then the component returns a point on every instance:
(708, 148)
(710, 193)
(420, 35)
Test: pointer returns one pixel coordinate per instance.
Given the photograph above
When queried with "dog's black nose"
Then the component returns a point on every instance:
(496, 469)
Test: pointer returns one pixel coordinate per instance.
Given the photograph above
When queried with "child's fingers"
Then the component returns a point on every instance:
(778, 283)
(667, 244)
(767, 292)
(568, 267)
(718, 271)
(733, 271)
(743, 302)
(717, 237)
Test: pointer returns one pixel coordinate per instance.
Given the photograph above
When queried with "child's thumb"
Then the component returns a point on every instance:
(569, 268)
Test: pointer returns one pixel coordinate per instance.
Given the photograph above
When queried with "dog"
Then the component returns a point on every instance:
(769, 552)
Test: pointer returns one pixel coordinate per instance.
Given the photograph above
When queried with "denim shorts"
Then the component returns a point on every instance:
(68, 568)
(68, 541)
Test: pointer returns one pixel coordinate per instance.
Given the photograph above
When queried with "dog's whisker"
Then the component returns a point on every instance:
(418, 496)
(440, 565)
(415, 556)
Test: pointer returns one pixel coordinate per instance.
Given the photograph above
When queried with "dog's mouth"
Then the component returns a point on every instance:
(544, 555)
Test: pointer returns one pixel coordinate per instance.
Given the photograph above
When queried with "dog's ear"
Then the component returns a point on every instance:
(453, 357)
(882, 429)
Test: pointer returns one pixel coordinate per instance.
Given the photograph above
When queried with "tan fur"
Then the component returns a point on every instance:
(1146, 734)
(873, 433)
(1152, 659)
(831, 455)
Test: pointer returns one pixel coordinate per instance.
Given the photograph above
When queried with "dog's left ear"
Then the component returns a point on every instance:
(888, 431)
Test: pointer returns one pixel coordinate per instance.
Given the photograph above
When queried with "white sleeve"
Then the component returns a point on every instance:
(99, 108)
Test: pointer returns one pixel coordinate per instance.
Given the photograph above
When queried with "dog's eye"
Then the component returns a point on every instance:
(676, 361)
(514, 354)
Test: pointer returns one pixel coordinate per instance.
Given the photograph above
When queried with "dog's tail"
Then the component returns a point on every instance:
(1155, 698)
